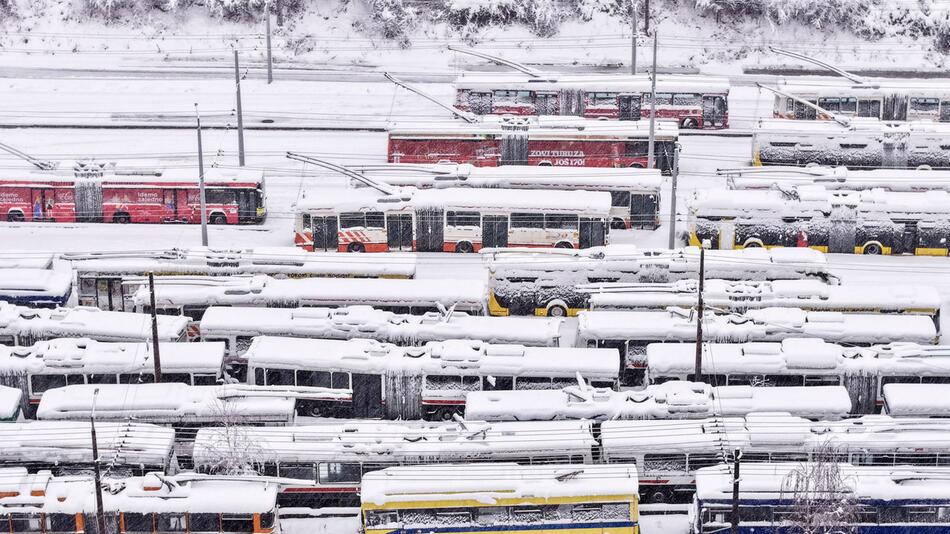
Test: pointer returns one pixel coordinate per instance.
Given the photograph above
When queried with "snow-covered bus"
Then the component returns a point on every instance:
(634, 193)
(237, 325)
(692, 101)
(449, 220)
(889, 100)
(864, 499)
(327, 461)
(559, 282)
(39, 288)
(837, 178)
(632, 331)
(544, 141)
(501, 497)
(36, 503)
(864, 371)
(864, 143)
(107, 280)
(741, 296)
(859, 222)
(417, 382)
(668, 453)
(64, 447)
(66, 361)
(22, 326)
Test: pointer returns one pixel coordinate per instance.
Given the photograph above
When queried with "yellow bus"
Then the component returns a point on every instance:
(501, 497)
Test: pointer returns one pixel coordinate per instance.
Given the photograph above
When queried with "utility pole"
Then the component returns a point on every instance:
(157, 361)
(97, 474)
(201, 184)
(650, 152)
(633, 36)
(646, 16)
(676, 172)
(698, 371)
(240, 113)
(270, 64)
(737, 455)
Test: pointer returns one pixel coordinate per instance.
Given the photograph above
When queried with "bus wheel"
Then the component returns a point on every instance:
(464, 247)
(689, 123)
(873, 248)
(217, 218)
(752, 244)
(564, 244)
(315, 411)
(356, 247)
(636, 165)
(617, 224)
(121, 218)
(658, 497)
(557, 311)
(15, 216)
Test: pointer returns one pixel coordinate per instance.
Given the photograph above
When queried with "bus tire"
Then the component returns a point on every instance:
(564, 244)
(752, 243)
(218, 218)
(636, 165)
(121, 218)
(355, 247)
(657, 496)
(874, 249)
(15, 216)
(464, 247)
(617, 224)
(690, 123)
(557, 310)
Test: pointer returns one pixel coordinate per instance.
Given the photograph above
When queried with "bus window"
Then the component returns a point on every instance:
(337, 472)
(25, 523)
(664, 462)
(869, 108)
(102, 379)
(532, 382)
(686, 99)
(204, 380)
(662, 99)
(527, 220)
(41, 383)
(900, 380)
(315, 379)
(299, 471)
(511, 96)
(448, 382)
(620, 199)
(492, 515)
(203, 522)
(375, 219)
(352, 220)
(137, 378)
(340, 380)
(378, 518)
(280, 377)
(67, 523)
(945, 111)
(830, 103)
(195, 312)
(170, 522)
(636, 149)
(237, 523)
(924, 105)
(220, 196)
(463, 218)
(601, 99)
(557, 221)
(849, 105)
(498, 383)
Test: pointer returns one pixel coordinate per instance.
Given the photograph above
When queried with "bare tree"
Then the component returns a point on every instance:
(823, 501)
(231, 451)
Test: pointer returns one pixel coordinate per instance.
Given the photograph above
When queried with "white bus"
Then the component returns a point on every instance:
(22, 326)
(632, 331)
(38, 288)
(559, 282)
(859, 222)
(449, 220)
(107, 280)
(66, 361)
(837, 178)
(885, 99)
(327, 461)
(864, 371)
(634, 192)
(668, 453)
(237, 325)
(417, 382)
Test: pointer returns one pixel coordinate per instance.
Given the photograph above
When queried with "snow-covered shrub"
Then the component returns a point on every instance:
(393, 19)
(542, 16)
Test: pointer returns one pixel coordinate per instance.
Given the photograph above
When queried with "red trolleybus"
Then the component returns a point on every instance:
(232, 197)
(545, 141)
(692, 101)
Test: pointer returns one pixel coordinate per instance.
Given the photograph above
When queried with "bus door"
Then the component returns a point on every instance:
(546, 104)
(87, 200)
(895, 108)
(480, 103)
(41, 204)
(367, 395)
(644, 210)
(727, 234)
(170, 204)
(325, 233)
(909, 238)
(841, 234)
(629, 107)
(714, 111)
(247, 205)
(593, 232)
(514, 145)
(495, 231)
(109, 295)
(399, 231)
(430, 230)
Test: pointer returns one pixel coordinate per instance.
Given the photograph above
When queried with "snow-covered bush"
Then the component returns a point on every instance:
(542, 16)
(818, 13)
(393, 19)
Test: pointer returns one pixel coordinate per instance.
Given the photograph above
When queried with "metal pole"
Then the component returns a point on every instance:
(737, 455)
(700, 309)
(97, 474)
(240, 113)
(633, 36)
(270, 64)
(158, 358)
(646, 16)
(676, 172)
(201, 185)
(650, 152)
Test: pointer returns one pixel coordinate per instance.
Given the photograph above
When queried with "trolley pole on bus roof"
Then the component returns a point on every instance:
(737, 455)
(675, 176)
(157, 361)
(633, 36)
(270, 63)
(240, 113)
(201, 184)
(650, 150)
(698, 371)
(97, 474)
